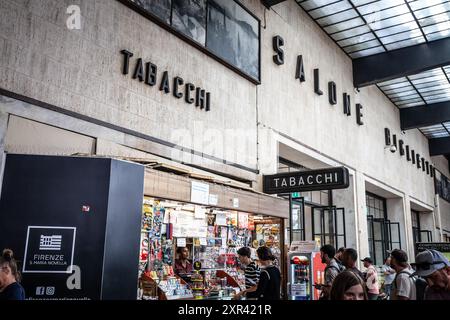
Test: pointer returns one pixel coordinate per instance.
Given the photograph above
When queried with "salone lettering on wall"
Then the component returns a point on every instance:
(279, 59)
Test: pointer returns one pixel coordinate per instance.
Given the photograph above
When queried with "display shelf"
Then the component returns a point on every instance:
(161, 293)
(184, 297)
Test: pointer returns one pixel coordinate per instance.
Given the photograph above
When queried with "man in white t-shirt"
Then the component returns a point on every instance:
(403, 287)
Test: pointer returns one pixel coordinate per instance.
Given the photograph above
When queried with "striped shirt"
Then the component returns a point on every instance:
(252, 272)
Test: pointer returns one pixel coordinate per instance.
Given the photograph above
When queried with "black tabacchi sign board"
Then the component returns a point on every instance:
(312, 180)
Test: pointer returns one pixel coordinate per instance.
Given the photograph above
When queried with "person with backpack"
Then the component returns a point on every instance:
(434, 267)
(373, 289)
(270, 277)
(327, 253)
(349, 259)
(338, 258)
(403, 286)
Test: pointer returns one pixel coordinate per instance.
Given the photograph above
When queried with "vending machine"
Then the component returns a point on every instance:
(304, 270)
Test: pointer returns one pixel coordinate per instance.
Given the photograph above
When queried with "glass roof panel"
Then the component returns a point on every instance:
(367, 52)
(420, 4)
(357, 39)
(397, 23)
(442, 26)
(404, 43)
(362, 46)
(336, 18)
(380, 5)
(330, 9)
(438, 35)
(312, 4)
(345, 25)
(350, 33)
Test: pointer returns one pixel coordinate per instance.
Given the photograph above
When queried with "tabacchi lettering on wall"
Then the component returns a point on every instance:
(147, 72)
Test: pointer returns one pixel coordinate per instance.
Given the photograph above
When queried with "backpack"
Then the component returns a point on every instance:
(419, 282)
(339, 269)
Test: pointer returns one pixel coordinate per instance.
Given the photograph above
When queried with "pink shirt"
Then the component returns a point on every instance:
(372, 280)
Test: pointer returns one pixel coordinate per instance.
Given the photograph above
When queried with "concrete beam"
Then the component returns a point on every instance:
(439, 146)
(270, 3)
(400, 63)
(423, 116)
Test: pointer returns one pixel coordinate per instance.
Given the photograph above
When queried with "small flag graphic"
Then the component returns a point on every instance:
(50, 243)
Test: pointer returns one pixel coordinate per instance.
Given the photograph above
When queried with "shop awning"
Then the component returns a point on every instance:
(164, 185)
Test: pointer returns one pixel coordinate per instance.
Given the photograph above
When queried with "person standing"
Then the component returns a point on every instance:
(348, 286)
(338, 258)
(10, 288)
(270, 277)
(252, 273)
(182, 264)
(327, 253)
(373, 289)
(389, 275)
(349, 258)
(434, 267)
(403, 286)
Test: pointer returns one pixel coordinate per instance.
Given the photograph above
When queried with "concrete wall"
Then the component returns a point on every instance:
(80, 71)
(345, 199)
(444, 209)
(441, 164)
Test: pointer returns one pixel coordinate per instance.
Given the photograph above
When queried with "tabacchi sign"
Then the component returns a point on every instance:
(313, 180)
(147, 73)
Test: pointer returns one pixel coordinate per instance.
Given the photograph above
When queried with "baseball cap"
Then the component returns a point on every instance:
(368, 259)
(429, 261)
(399, 255)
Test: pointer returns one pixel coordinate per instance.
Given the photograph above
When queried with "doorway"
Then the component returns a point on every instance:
(314, 222)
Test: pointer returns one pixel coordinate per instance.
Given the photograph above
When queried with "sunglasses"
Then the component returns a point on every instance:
(425, 265)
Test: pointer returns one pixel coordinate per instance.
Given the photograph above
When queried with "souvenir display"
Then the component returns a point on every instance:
(212, 245)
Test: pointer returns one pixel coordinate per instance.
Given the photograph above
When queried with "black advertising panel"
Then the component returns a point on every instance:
(68, 219)
(323, 179)
(160, 8)
(189, 17)
(233, 35)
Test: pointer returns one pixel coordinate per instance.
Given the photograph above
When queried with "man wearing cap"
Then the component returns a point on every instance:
(434, 267)
(373, 290)
(403, 287)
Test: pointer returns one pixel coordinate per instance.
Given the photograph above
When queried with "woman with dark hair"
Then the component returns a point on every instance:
(10, 289)
(348, 286)
(270, 276)
(182, 264)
